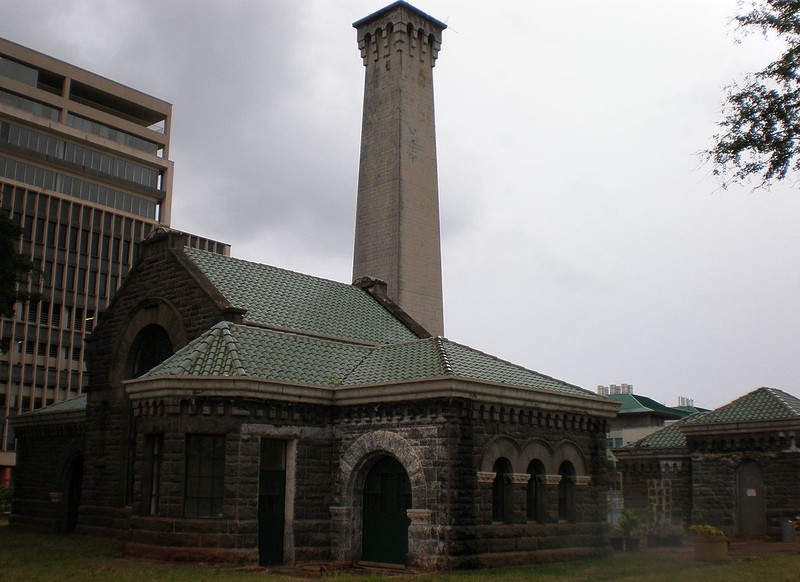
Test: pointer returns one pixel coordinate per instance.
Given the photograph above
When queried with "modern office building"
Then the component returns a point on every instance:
(85, 169)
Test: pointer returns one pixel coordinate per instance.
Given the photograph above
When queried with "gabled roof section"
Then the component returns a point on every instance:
(671, 436)
(634, 403)
(291, 301)
(758, 405)
(245, 351)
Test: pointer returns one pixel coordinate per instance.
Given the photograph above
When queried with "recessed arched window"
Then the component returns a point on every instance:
(501, 490)
(151, 347)
(566, 492)
(535, 497)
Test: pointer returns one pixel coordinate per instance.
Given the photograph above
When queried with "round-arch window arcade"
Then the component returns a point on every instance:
(151, 347)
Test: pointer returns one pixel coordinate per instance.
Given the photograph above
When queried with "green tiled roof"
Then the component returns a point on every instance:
(77, 403)
(437, 357)
(228, 349)
(671, 436)
(240, 350)
(285, 299)
(633, 403)
(760, 404)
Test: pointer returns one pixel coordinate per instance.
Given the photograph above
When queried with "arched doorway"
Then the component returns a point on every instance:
(387, 497)
(74, 482)
(752, 514)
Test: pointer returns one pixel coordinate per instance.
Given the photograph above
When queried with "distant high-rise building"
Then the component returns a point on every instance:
(85, 170)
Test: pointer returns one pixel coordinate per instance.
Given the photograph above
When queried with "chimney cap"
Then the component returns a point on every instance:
(395, 5)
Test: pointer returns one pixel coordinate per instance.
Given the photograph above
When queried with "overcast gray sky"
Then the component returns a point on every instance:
(581, 235)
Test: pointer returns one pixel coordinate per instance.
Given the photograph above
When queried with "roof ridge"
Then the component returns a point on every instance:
(194, 356)
(783, 398)
(518, 366)
(441, 352)
(232, 349)
(218, 256)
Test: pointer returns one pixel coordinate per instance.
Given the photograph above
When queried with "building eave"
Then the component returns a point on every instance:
(170, 387)
(728, 428)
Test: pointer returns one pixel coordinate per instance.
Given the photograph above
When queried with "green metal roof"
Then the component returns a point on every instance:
(671, 436)
(760, 404)
(633, 403)
(229, 349)
(288, 300)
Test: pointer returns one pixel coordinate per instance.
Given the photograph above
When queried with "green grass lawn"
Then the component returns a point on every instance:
(31, 557)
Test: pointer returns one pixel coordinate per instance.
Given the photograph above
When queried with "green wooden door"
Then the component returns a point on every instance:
(387, 497)
(271, 502)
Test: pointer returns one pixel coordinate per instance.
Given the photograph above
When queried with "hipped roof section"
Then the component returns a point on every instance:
(238, 350)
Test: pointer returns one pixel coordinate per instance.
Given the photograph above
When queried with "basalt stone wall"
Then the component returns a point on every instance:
(658, 487)
(550, 438)
(161, 290)
(445, 446)
(46, 455)
(234, 536)
(424, 437)
(715, 487)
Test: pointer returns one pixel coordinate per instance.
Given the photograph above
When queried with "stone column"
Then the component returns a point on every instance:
(484, 494)
(342, 534)
(421, 553)
(551, 483)
(519, 497)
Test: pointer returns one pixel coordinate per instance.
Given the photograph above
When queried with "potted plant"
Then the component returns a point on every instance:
(796, 524)
(630, 529)
(710, 543)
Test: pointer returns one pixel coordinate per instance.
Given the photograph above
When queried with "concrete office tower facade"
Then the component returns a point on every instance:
(85, 169)
(397, 221)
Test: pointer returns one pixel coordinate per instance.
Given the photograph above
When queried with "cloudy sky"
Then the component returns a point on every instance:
(582, 236)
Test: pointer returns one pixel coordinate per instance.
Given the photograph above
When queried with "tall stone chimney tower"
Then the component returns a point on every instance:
(397, 219)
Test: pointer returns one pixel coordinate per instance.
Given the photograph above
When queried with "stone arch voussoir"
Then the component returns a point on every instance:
(569, 451)
(370, 447)
(151, 311)
(501, 446)
(536, 448)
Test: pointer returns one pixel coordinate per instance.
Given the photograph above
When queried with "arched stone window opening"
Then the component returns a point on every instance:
(501, 490)
(151, 346)
(535, 492)
(566, 492)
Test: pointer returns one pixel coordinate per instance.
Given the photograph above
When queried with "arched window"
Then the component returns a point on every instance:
(151, 347)
(566, 492)
(501, 490)
(535, 497)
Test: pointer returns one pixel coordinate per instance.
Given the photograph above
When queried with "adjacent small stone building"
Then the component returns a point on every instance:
(737, 467)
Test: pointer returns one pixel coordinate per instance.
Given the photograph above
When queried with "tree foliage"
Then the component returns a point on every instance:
(761, 126)
(14, 266)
